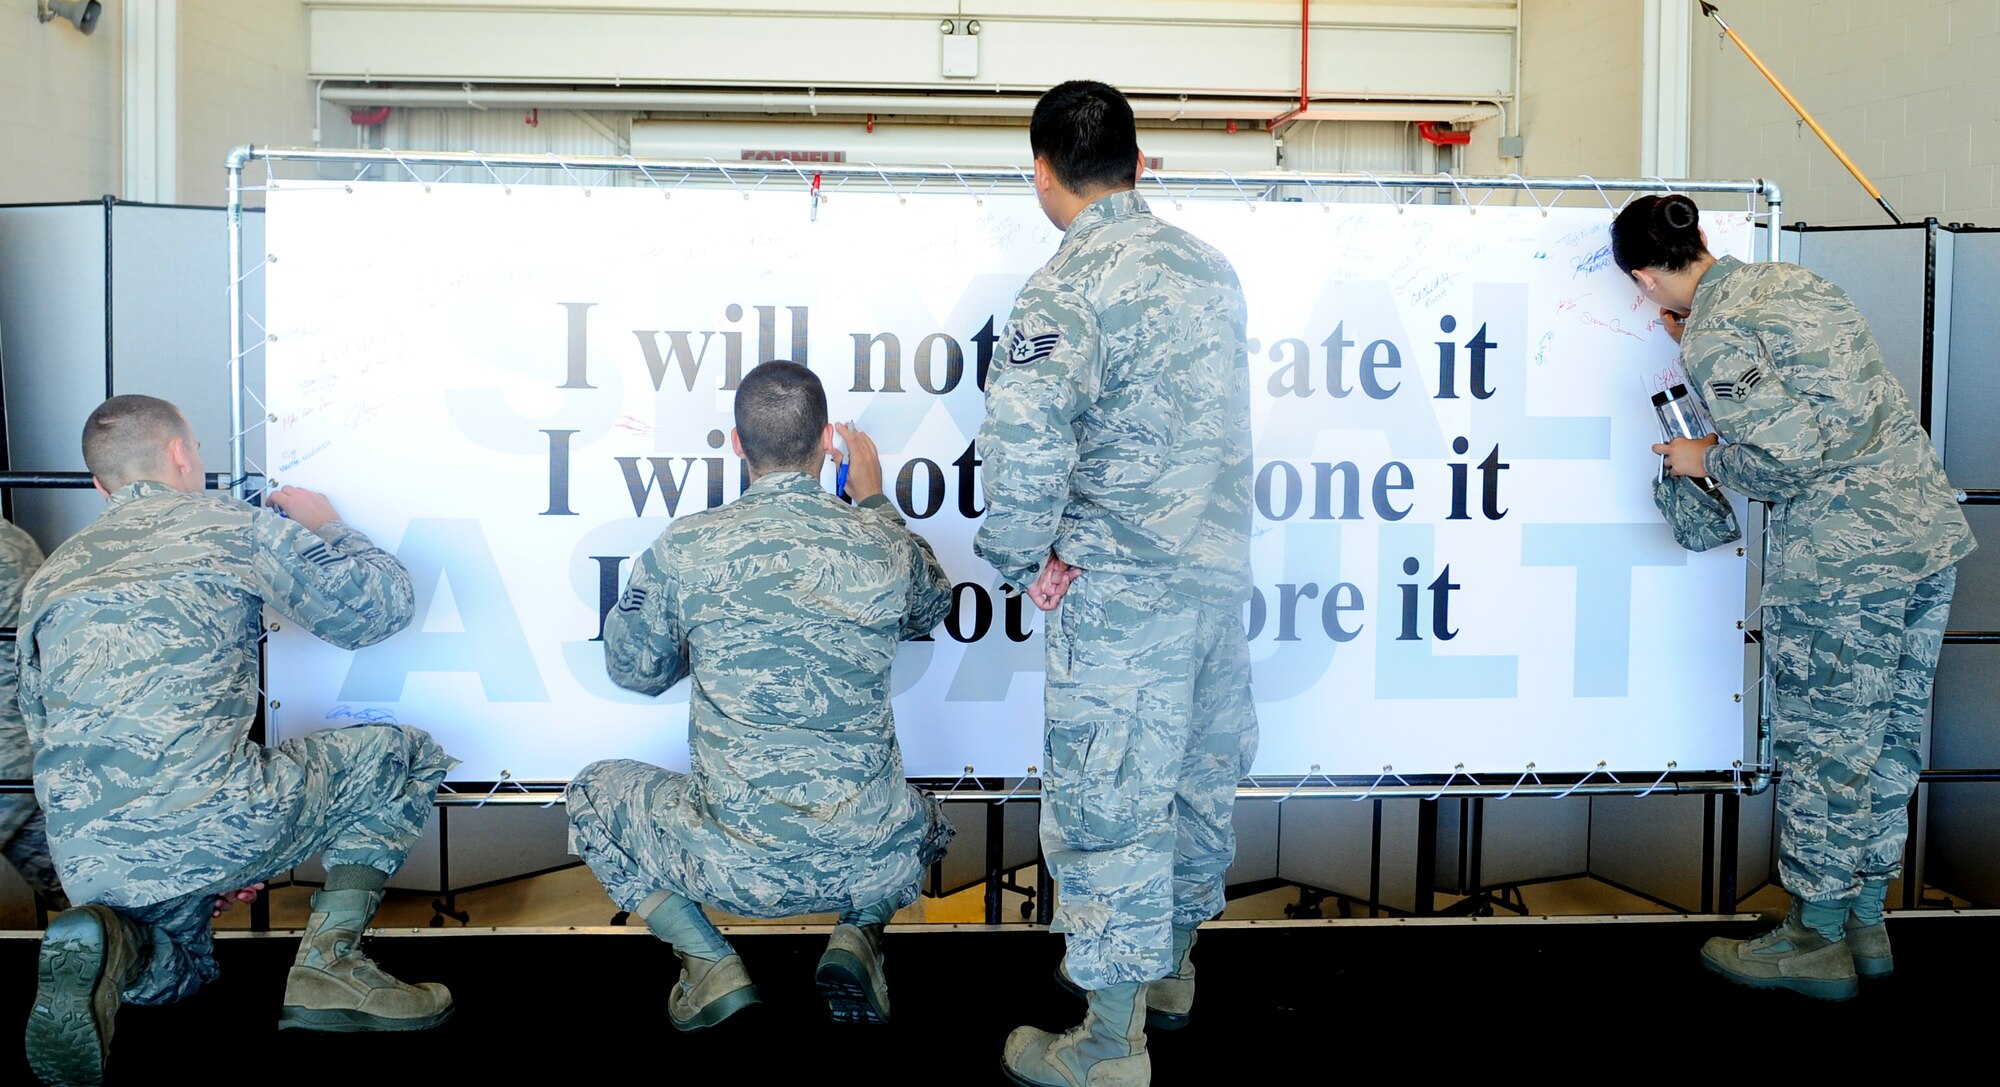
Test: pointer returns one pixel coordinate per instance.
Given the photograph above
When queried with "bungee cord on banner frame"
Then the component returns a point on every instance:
(667, 175)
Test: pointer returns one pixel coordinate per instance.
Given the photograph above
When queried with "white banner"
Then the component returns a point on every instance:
(1457, 557)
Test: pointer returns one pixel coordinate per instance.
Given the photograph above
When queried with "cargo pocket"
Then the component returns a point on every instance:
(1082, 783)
(1842, 678)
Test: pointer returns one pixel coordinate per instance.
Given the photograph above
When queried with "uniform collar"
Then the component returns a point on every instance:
(1716, 273)
(1112, 206)
(782, 481)
(137, 489)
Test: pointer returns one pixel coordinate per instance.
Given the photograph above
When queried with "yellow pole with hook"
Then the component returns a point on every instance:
(1709, 10)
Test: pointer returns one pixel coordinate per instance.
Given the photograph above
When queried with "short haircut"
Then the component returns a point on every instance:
(1085, 131)
(127, 436)
(780, 415)
(1662, 232)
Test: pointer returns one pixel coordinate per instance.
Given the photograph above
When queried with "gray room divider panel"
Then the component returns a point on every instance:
(170, 318)
(101, 298)
(1885, 271)
(1523, 840)
(1964, 819)
(105, 298)
(53, 303)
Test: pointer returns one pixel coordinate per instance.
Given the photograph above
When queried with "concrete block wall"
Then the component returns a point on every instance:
(1910, 89)
(60, 135)
(1580, 65)
(242, 80)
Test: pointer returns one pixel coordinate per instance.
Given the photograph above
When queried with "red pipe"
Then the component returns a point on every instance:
(1305, 48)
(1305, 54)
(368, 118)
(1429, 131)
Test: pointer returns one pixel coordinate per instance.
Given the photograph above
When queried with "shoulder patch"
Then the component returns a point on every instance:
(320, 554)
(633, 600)
(1023, 350)
(1739, 388)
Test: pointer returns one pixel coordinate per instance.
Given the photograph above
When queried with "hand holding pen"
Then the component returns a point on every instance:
(859, 476)
(1673, 322)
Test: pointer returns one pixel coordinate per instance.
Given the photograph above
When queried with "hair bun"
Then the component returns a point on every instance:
(1657, 232)
(1679, 213)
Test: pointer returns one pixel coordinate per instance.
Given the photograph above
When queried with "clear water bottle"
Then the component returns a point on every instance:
(1681, 416)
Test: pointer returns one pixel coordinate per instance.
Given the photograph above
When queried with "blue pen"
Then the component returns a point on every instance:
(840, 473)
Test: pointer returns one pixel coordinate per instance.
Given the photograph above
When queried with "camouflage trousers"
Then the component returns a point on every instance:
(368, 793)
(24, 841)
(1149, 726)
(643, 829)
(1851, 688)
(24, 832)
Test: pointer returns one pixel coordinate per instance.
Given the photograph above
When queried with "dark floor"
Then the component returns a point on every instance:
(1274, 998)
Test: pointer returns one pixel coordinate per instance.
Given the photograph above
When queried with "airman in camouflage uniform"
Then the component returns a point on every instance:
(1863, 536)
(786, 606)
(139, 683)
(1117, 454)
(24, 836)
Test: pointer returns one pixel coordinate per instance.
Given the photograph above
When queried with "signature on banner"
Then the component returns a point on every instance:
(367, 715)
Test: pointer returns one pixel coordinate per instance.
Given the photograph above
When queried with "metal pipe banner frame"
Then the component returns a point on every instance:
(817, 180)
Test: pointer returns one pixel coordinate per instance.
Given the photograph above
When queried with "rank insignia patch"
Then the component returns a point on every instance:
(1738, 389)
(1023, 350)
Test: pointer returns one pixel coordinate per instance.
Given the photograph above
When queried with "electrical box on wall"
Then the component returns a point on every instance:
(959, 58)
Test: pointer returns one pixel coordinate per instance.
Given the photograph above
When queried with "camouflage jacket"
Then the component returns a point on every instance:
(1814, 423)
(1699, 521)
(138, 658)
(786, 606)
(20, 556)
(1117, 424)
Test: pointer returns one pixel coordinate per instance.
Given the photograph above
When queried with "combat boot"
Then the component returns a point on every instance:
(88, 954)
(1108, 1049)
(709, 991)
(850, 975)
(1792, 956)
(333, 986)
(713, 984)
(1168, 999)
(1867, 936)
(1171, 998)
(1869, 945)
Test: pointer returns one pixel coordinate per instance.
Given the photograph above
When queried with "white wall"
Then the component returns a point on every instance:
(59, 133)
(1911, 91)
(242, 80)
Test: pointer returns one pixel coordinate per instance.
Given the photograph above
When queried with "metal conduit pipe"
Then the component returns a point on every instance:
(1199, 178)
(1380, 107)
(761, 101)
(83, 481)
(550, 793)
